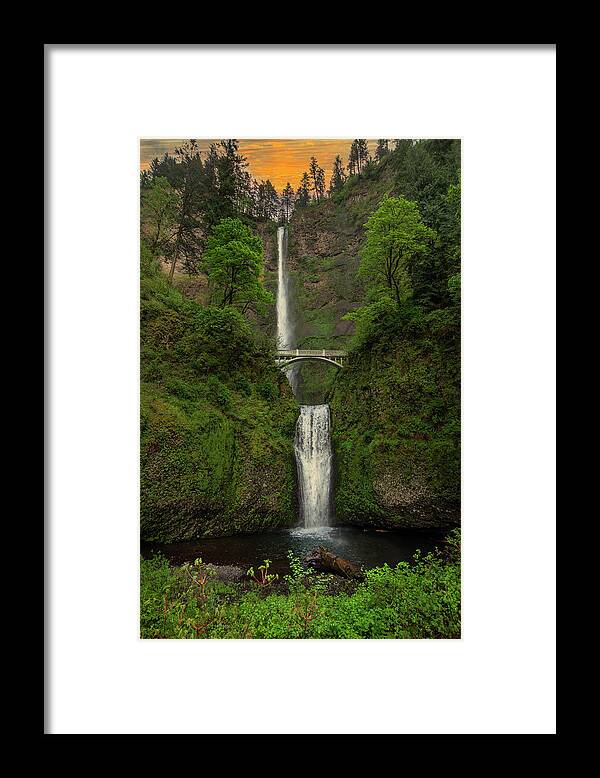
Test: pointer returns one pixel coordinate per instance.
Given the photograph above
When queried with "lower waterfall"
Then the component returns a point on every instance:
(312, 446)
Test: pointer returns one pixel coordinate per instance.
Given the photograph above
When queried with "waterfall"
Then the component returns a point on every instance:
(285, 334)
(312, 446)
(284, 329)
(312, 442)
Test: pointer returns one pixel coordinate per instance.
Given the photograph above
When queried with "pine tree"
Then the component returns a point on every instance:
(353, 159)
(186, 179)
(267, 205)
(231, 171)
(287, 200)
(382, 149)
(159, 209)
(362, 151)
(317, 175)
(338, 175)
(303, 192)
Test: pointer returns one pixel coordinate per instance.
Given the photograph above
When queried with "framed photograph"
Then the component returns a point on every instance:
(300, 388)
(299, 437)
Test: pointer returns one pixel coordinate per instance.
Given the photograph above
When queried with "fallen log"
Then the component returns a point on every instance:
(325, 561)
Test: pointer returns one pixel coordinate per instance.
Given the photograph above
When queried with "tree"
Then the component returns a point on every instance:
(267, 203)
(395, 237)
(287, 200)
(303, 193)
(159, 208)
(353, 159)
(362, 151)
(184, 172)
(226, 185)
(231, 171)
(213, 188)
(450, 228)
(359, 155)
(233, 262)
(317, 177)
(338, 175)
(145, 180)
(382, 149)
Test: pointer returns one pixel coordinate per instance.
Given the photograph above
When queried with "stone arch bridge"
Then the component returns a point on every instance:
(292, 356)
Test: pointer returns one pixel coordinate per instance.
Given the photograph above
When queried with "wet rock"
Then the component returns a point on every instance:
(394, 491)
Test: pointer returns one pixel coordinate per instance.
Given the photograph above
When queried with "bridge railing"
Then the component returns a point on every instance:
(303, 352)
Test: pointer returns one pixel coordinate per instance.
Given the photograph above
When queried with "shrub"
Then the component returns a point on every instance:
(418, 600)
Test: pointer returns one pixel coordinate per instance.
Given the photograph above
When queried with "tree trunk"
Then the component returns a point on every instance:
(325, 561)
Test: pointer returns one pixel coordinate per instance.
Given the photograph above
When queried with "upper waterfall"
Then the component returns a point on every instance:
(284, 327)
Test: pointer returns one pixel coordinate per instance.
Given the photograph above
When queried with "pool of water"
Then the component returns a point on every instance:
(365, 547)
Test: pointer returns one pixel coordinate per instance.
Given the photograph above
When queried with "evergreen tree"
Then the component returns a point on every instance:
(184, 172)
(145, 180)
(338, 175)
(158, 214)
(353, 159)
(303, 192)
(231, 172)
(359, 156)
(317, 178)
(362, 152)
(382, 149)
(287, 200)
(267, 205)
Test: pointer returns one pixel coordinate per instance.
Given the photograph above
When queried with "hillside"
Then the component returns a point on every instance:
(217, 420)
(396, 408)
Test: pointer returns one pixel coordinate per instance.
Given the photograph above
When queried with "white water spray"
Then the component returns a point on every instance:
(285, 333)
(284, 329)
(312, 446)
(312, 442)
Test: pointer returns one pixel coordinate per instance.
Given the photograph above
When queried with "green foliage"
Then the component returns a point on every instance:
(358, 156)
(371, 319)
(221, 341)
(396, 410)
(267, 390)
(418, 600)
(216, 432)
(454, 288)
(338, 175)
(205, 189)
(303, 192)
(149, 266)
(262, 577)
(233, 262)
(160, 206)
(396, 406)
(317, 178)
(395, 238)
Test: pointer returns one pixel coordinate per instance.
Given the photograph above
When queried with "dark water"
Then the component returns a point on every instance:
(366, 547)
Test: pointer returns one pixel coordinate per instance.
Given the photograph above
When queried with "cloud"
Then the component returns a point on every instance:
(280, 160)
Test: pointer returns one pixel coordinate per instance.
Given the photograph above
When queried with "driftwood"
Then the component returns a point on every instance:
(325, 561)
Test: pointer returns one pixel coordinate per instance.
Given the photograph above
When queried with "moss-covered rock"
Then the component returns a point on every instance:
(396, 431)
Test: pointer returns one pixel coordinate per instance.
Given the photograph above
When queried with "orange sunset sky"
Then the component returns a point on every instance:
(279, 160)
